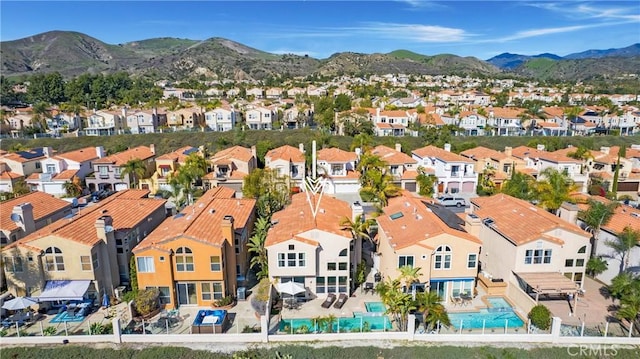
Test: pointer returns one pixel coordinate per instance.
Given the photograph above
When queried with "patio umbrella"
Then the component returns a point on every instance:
(19, 303)
(106, 302)
(291, 288)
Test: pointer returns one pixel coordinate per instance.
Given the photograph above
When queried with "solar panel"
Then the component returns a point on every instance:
(34, 153)
(190, 151)
(447, 216)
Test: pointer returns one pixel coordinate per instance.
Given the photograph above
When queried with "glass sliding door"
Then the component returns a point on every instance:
(187, 294)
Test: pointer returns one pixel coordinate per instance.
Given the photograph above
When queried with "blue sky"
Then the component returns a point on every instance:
(320, 28)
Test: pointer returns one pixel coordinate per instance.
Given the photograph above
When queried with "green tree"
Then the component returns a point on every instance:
(20, 187)
(398, 304)
(73, 188)
(623, 244)
(626, 288)
(378, 187)
(133, 274)
(426, 182)
(256, 247)
(342, 102)
(135, 169)
(433, 312)
(190, 173)
(540, 316)
(596, 266)
(597, 215)
(554, 189)
(520, 185)
(614, 190)
(409, 275)
(269, 189)
(359, 227)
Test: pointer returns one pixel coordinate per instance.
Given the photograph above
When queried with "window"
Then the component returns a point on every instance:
(301, 260)
(215, 264)
(165, 294)
(211, 291)
(568, 263)
(343, 253)
(331, 266)
(292, 247)
(13, 264)
(281, 261)
(54, 260)
(442, 258)
(472, 259)
(94, 260)
(405, 261)
(184, 260)
(51, 168)
(85, 263)
(537, 256)
(342, 266)
(145, 265)
(579, 262)
(582, 249)
(291, 260)
(103, 170)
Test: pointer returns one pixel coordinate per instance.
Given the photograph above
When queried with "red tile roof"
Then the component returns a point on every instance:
(441, 154)
(236, 152)
(43, 204)
(121, 158)
(391, 156)
(81, 155)
(336, 155)
(287, 153)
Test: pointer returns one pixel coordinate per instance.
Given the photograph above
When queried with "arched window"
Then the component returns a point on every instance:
(343, 253)
(442, 258)
(53, 259)
(184, 260)
(582, 249)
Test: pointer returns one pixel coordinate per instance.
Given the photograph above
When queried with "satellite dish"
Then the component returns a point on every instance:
(16, 218)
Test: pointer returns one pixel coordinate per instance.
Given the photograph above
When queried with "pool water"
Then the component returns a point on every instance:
(375, 307)
(496, 316)
(342, 324)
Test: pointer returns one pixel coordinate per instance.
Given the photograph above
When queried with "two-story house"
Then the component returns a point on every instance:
(85, 255)
(527, 247)
(220, 119)
(339, 168)
(420, 234)
(8, 179)
(145, 121)
(199, 255)
(26, 214)
(62, 168)
(402, 167)
(26, 162)
(166, 165)
(498, 165)
(106, 123)
(391, 123)
(505, 121)
(230, 166)
(185, 118)
(472, 123)
(287, 161)
(312, 248)
(455, 173)
(603, 166)
(107, 171)
(260, 118)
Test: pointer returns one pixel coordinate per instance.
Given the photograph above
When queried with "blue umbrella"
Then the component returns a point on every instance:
(106, 301)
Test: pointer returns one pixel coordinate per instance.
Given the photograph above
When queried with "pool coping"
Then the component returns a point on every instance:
(487, 306)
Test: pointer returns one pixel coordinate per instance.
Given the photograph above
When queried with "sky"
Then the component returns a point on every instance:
(320, 28)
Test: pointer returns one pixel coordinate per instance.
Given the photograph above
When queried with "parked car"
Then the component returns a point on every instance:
(450, 201)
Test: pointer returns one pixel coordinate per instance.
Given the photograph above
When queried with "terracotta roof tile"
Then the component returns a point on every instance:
(336, 155)
(236, 152)
(8, 175)
(202, 220)
(297, 218)
(480, 152)
(391, 156)
(81, 155)
(180, 155)
(439, 153)
(287, 153)
(121, 158)
(520, 221)
(43, 205)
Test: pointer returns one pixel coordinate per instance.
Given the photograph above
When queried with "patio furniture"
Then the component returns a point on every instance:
(331, 297)
(368, 287)
(456, 301)
(341, 300)
(466, 299)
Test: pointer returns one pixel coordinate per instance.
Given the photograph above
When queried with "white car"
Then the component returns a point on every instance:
(450, 201)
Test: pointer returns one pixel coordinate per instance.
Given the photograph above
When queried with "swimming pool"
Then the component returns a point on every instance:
(497, 316)
(375, 307)
(355, 324)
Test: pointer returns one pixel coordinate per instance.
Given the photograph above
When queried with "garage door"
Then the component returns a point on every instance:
(346, 187)
(410, 186)
(468, 187)
(627, 186)
(453, 187)
(121, 186)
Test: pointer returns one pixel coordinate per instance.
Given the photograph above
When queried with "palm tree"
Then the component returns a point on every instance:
(433, 312)
(554, 189)
(191, 172)
(626, 287)
(73, 188)
(359, 227)
(614, 190)
(623, 244)
(135, 169)
(426, 182)
(257, 248)
(596, 266)
(369, 162)
(598, 215)
(378, 186)
(398, 304)
(409, 275)
(520, 186)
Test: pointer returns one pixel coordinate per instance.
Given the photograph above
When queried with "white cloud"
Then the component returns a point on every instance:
(414, 32)
(579, 10)
(550, 30)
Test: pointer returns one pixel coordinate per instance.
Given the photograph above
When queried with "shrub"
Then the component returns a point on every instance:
(99, 328)
(228, 300)
(540, 316)
(250, 329)
(261, 296)
(3, 332)
(147, 301)
(50, 331)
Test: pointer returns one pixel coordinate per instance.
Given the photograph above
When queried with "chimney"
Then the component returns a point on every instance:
(124, 112)
(472, 224)
(569, 212)
(605, 150)
(104, 226)
(301, 147)
(447, 147)
(22, 215)
(508, 151)
(155, 111)
(152, 147)
(398, 147)
(100, 151)
(227, 230)
(253, 152)
(48, 151)
(356, 210)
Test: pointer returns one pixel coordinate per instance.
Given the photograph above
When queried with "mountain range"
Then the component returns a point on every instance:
(73, 53)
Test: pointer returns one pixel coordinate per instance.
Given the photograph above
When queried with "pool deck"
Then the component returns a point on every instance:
(313, 308)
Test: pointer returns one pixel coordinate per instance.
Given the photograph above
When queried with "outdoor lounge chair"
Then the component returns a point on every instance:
(341, 300)
(330, 299)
